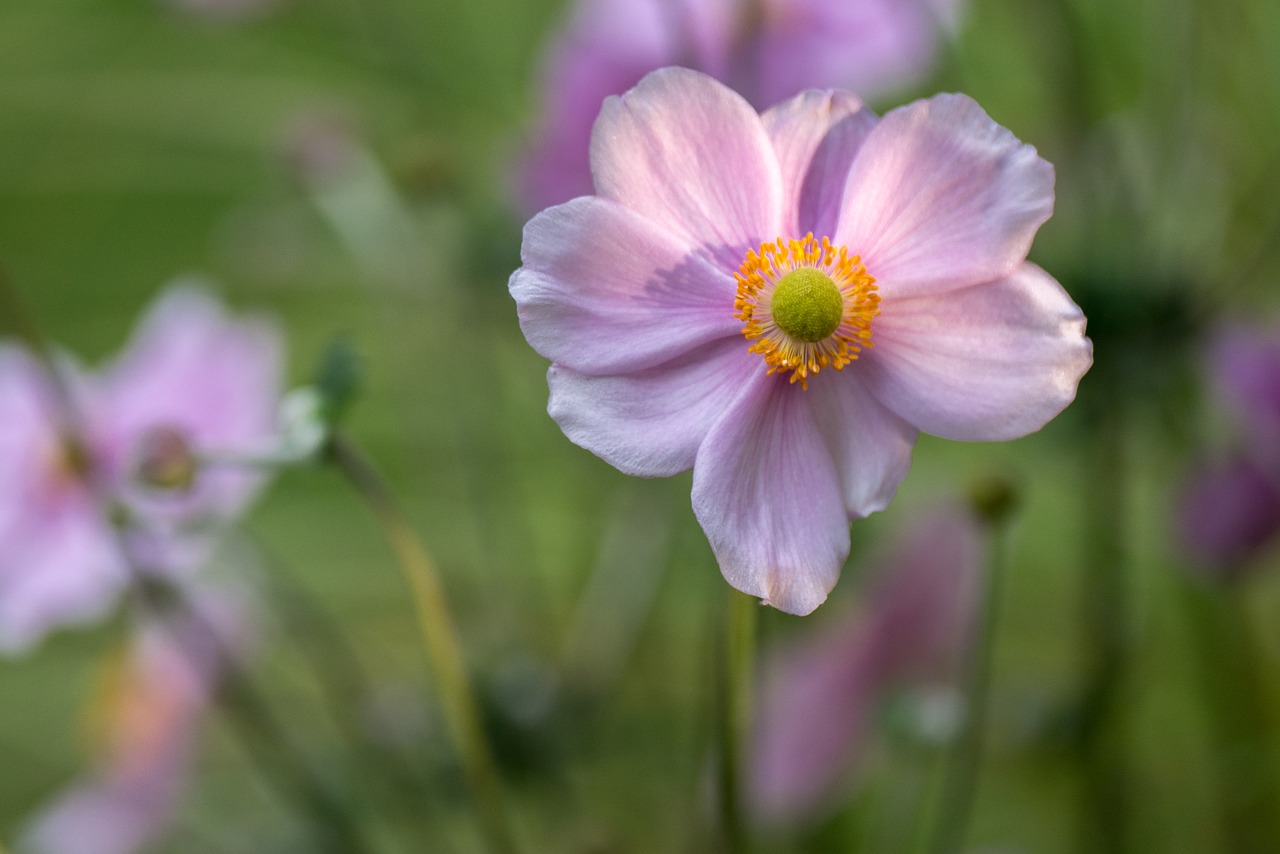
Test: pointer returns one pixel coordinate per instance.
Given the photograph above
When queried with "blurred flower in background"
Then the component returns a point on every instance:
(679, 339)
(1230, 507)
(767, 50)
(104, 473)
(145, 725)
(820, 694)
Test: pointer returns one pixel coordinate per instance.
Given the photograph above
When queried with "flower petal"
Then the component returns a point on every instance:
(766, 493)
(871, 446)
(942, 197)
(604, 291)
(651, 423)
(868, 46)
(989, 362)
(692, 156)
(816, 134)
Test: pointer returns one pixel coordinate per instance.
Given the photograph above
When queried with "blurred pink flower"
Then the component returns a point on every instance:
(192, 381)
(819, 695)
(765, 49)
(1230, 508)
(147, 722)
(681, 335)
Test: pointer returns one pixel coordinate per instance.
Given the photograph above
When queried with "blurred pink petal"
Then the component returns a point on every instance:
(767, 51)
(151, 716)
(1245, 360)
(1229, 513)
(793, 433)
(820, 693)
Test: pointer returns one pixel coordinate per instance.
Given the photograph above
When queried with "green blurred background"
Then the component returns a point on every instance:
(345, 164)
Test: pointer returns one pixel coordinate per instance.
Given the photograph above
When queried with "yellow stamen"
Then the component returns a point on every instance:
(758, 279)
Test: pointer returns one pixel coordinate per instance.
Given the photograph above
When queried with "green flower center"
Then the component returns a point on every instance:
(807, 305)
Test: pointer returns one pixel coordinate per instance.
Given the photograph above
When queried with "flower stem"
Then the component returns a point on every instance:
(960, 774)
(439, 638)
(1235, 698)
(1104, 622)
(733, 719)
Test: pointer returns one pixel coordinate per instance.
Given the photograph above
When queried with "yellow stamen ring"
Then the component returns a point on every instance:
(806, 304)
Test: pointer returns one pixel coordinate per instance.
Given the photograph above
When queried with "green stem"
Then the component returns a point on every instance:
(960, 774)
(1104, 623)
(734, 710)
(439, 639)
(1234, 695)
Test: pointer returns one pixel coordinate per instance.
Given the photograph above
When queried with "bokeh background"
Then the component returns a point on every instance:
(347, 165)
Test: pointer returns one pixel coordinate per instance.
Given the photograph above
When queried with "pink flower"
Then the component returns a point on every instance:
(150, 714)
(820, 694)
(681, 335)
(1230, 508)
(192, 381)
(766, 50)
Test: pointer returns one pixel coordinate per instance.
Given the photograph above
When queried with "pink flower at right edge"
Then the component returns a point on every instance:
(638, 296)
(765, 50)
(1229, 509)
(819, 694)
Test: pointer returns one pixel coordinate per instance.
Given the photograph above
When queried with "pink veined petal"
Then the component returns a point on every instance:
(605, 291)
(985, 363)
(766, 493)
(816, 134)
(650, 423)
(691, 155)
(941, 197)
(871, 446)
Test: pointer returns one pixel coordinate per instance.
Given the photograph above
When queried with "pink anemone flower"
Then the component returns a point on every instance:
(121, 490)
(820, 693)
(782, 301)
(765, 49)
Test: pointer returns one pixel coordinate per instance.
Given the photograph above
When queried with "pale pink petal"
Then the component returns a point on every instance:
(604, 291)
(870, 445)
(986, 363)
(816, 135)
(62, 566)
(651, 423)
(607, 48)
(692, 156)
(942, 197)
(766, 493)
(867, 46)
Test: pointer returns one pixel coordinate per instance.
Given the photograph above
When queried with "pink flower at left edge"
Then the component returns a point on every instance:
(781, 302)
(147, 722)
(821, 692)
(192, 381)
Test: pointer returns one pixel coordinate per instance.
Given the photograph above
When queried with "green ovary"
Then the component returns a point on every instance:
(807, 305)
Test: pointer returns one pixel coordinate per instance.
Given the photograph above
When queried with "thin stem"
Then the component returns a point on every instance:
(1235, 698)
(734, 706)
(960, 769)
(439, 639)
(1104, 624)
